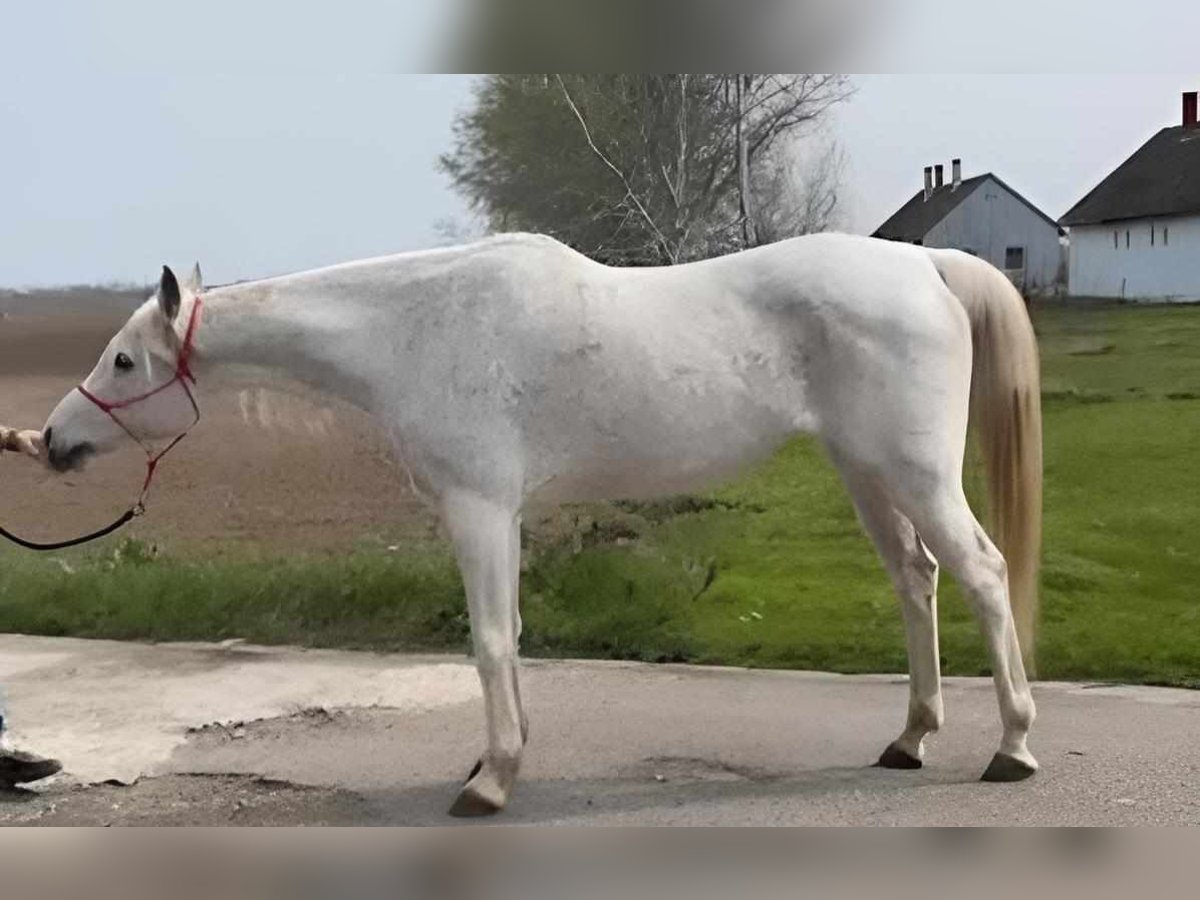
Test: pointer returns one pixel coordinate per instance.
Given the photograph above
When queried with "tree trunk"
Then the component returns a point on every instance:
(749, 238)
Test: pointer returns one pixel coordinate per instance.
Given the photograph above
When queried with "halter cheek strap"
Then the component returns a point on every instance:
(183, 375)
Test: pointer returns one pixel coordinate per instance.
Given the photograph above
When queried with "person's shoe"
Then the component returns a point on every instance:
(20, 767)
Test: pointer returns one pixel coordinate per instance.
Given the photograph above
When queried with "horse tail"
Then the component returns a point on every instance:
(1007, 415)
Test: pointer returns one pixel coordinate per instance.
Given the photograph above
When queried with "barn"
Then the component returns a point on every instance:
(1136, 235)
(985, 217)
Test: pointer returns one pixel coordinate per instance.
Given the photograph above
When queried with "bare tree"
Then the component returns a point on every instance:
(633, 169)
(798, 190)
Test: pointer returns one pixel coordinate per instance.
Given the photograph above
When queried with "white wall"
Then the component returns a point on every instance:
(990, 220)
(1169, 271)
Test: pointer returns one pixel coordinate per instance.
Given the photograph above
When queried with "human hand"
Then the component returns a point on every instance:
(27, 442)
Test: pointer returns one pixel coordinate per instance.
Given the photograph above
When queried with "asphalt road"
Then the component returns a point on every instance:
(231, 734)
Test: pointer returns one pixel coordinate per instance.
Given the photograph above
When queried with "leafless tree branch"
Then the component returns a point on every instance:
(629, 192)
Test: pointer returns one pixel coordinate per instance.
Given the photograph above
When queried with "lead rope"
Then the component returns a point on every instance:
(132, 513)
(183, 374)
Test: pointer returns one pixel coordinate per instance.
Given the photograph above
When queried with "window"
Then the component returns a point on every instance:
(1126, 238)
(1114, 239)
(1166, 235)
(1151, 234)
(1014, 257)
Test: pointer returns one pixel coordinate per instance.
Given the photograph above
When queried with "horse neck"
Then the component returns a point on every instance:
(323, 327)
(263, 325)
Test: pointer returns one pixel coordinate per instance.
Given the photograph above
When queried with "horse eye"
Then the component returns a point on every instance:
(123, 361)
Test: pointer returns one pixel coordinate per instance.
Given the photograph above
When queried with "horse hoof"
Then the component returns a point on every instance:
(1004, 768)
(896, 758)
(471, 805)
(487, 788)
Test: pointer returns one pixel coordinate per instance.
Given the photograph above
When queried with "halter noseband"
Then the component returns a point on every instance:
(183, 374)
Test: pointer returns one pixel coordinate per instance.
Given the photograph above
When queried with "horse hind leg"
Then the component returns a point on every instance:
(914, 573)
(959, 542)
(515, 573)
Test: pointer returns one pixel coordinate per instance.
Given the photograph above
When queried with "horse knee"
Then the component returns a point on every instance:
(493, 638)
(494, 654)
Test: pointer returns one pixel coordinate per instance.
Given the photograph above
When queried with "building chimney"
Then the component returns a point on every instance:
(928, 181)
(956, 172)
(1189, 109)
(937, 176)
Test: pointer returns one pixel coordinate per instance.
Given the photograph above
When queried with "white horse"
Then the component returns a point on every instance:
(516, 370)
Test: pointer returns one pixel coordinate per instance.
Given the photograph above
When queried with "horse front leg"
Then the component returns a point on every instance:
(484, 535)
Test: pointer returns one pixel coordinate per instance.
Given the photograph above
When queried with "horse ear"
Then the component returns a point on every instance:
(168, 295)
(195, 280)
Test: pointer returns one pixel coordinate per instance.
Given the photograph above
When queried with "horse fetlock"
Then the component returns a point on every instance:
(1013, 744)
(912, 743)
(925, 715)
(1019, 715)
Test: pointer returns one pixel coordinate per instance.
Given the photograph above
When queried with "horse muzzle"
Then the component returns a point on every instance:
(66, 459)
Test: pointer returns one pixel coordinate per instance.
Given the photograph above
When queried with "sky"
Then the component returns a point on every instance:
(105, 178)
(134, 133)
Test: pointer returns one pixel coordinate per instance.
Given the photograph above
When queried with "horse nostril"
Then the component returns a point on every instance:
(46, 436)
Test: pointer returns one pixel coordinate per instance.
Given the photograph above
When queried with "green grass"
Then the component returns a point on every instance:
(769, 571)
(364, 599)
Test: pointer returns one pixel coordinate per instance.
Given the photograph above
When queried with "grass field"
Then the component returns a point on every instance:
(769, 571)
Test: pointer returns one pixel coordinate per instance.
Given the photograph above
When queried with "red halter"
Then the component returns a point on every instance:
(183, 374)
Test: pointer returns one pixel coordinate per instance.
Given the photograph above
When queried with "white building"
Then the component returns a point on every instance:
(1136, 235)
(985, 217)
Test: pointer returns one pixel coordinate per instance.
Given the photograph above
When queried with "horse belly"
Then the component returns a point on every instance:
(671, 443)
